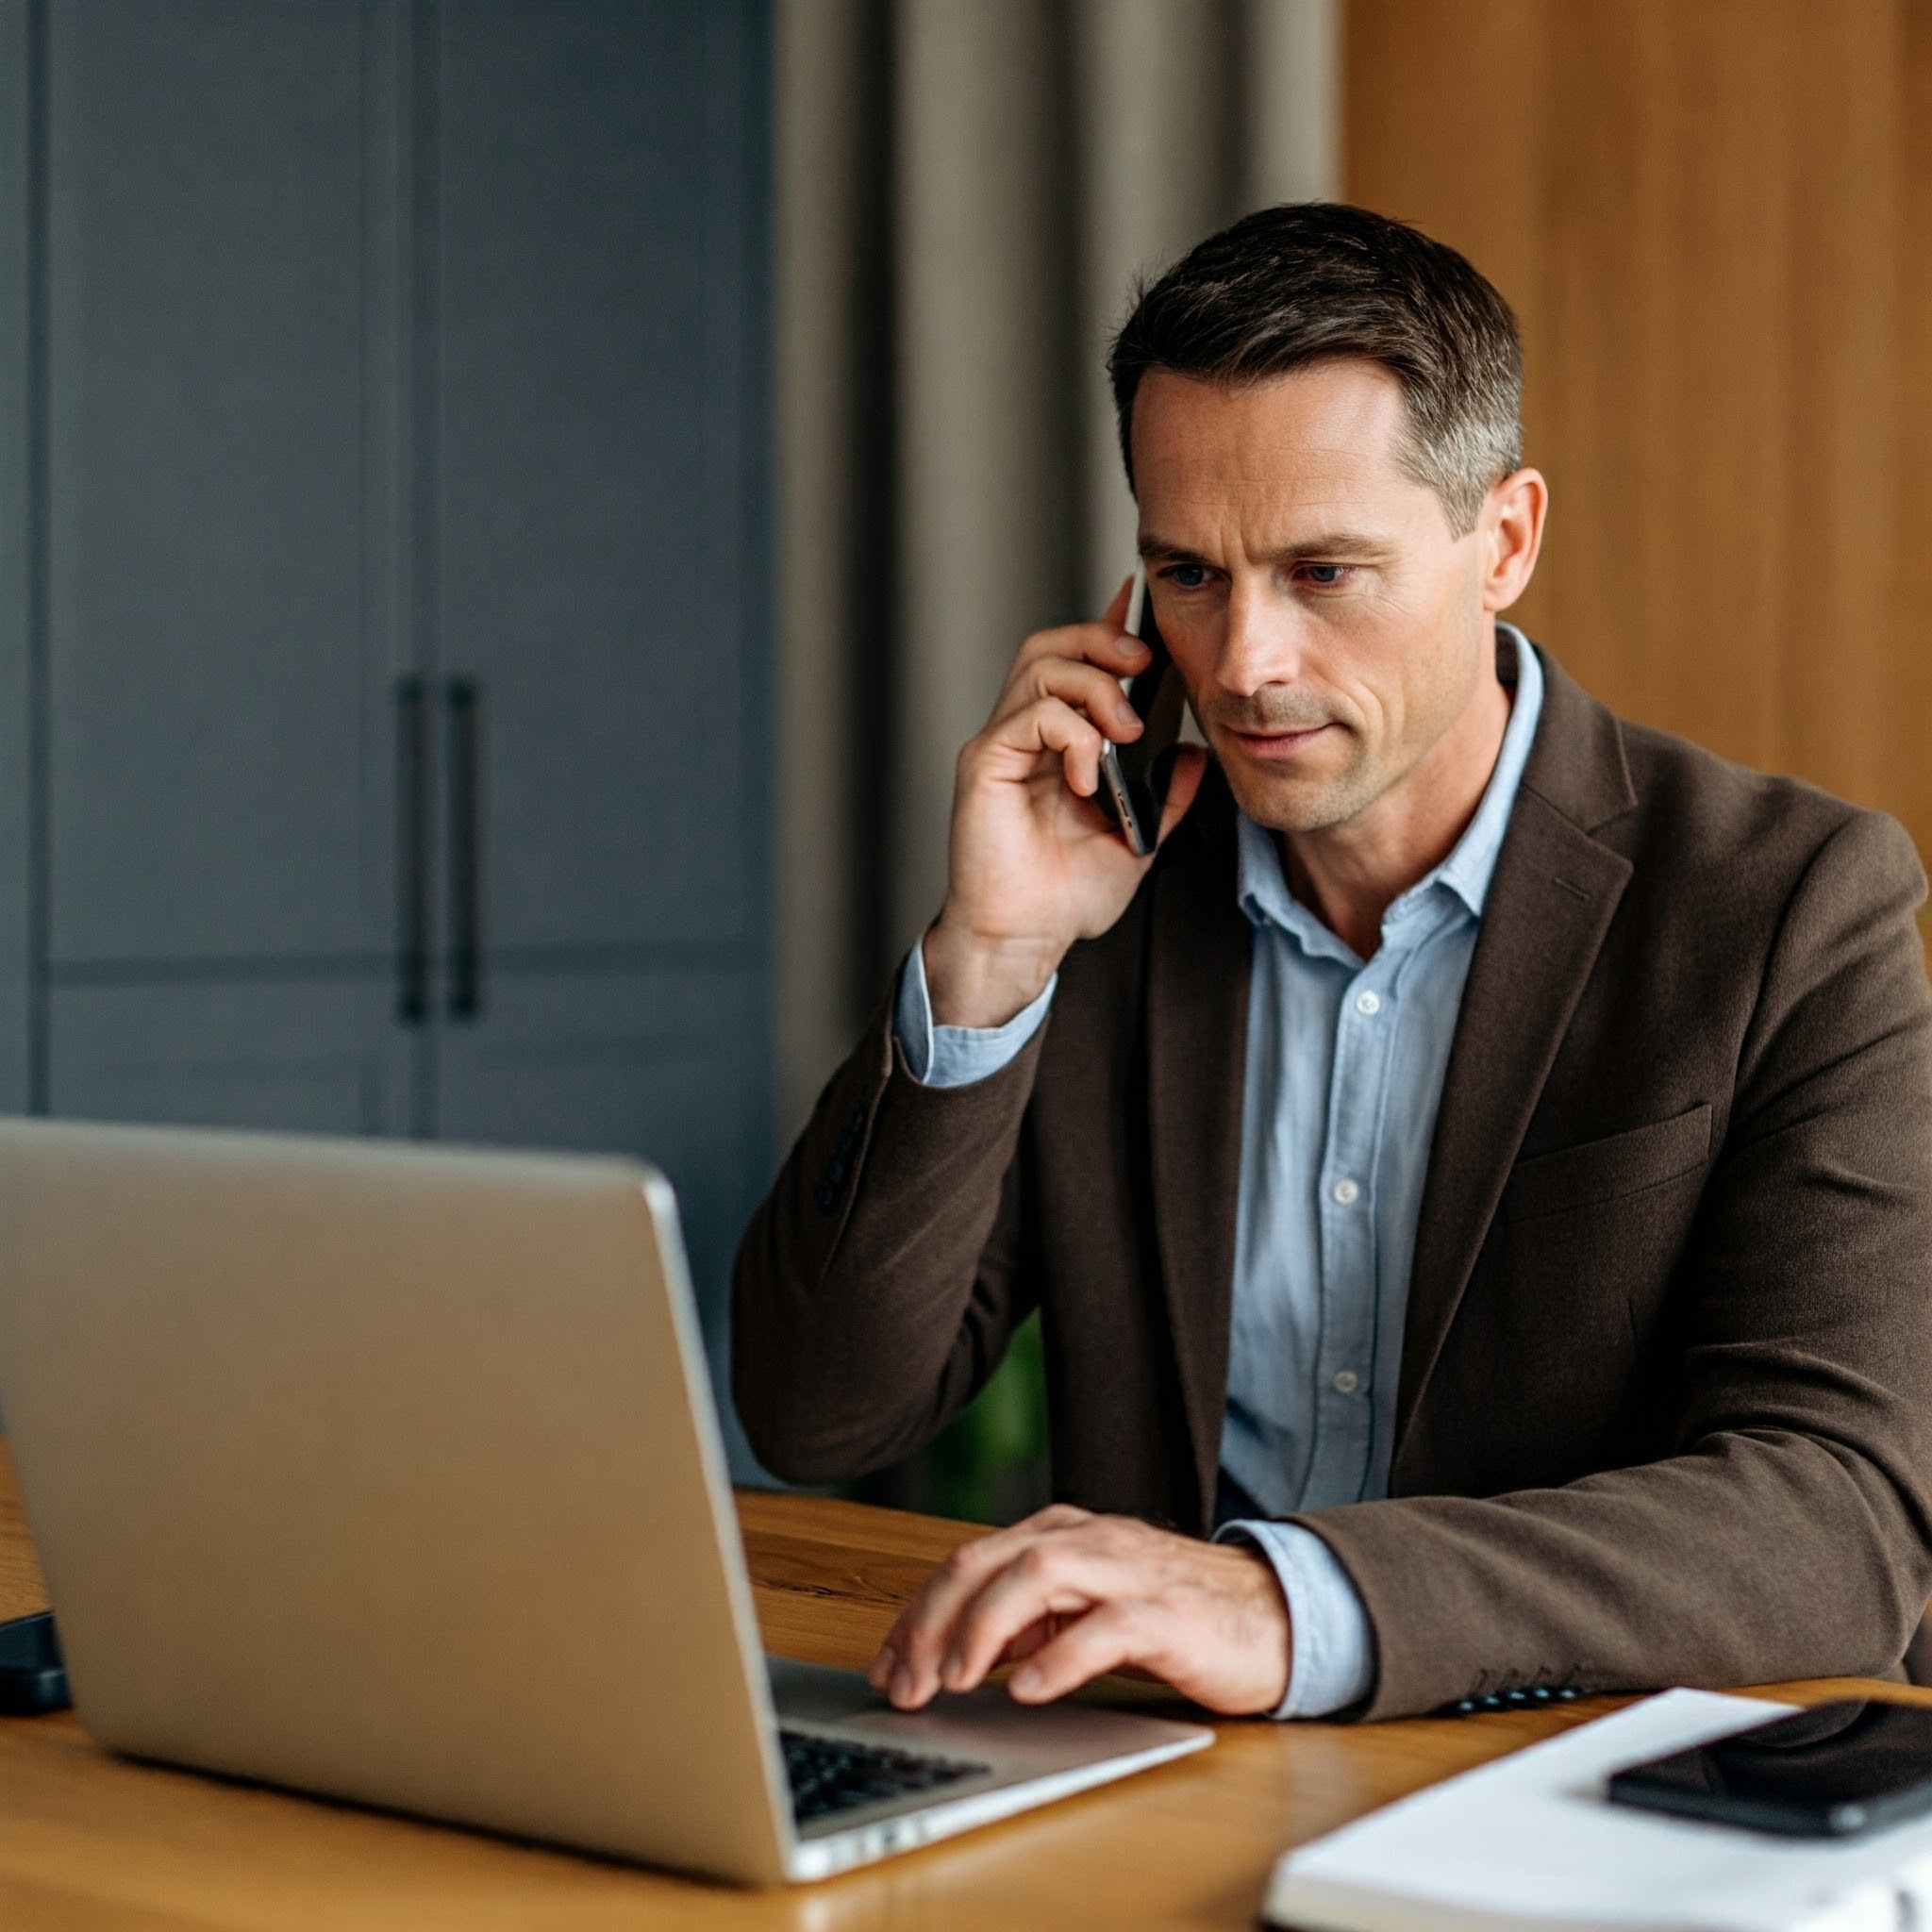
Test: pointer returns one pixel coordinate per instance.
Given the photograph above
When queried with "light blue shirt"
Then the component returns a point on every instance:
(1343, 1076)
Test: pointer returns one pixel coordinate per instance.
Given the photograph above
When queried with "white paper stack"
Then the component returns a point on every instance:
(1532, 1839)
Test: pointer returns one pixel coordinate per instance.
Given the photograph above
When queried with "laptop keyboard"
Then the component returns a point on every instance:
(834, 1773)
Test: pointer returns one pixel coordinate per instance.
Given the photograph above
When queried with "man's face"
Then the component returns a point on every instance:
(1333, 631)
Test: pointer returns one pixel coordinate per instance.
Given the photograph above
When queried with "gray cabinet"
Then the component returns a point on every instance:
(220, 276)
(392, 639)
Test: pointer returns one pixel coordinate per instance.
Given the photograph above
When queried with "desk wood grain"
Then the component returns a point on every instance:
(90, 1843)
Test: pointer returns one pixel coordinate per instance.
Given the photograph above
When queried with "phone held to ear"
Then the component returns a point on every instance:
(1134, 777)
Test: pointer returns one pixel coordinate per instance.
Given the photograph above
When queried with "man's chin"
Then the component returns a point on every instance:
(1298, 801)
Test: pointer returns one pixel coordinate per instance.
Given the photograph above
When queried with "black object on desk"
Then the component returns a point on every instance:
(1835, 1770)
(33, 1678)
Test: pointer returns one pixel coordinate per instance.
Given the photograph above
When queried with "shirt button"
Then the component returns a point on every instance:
(1346, 1192)
(1368, 1003)
(1346, 1382)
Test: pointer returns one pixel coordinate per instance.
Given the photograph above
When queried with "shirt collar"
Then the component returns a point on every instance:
(1262, 893)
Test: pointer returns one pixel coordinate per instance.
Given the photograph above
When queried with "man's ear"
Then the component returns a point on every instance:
(1511, 526)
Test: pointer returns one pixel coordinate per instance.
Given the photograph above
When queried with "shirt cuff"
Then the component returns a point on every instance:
(1331, 1640)
(958, 1055)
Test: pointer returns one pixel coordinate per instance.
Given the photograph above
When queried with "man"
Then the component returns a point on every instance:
(1482, 1167)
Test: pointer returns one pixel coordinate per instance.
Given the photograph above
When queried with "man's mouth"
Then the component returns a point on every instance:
(1278, 744)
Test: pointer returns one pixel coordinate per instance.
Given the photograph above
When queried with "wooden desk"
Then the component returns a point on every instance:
(88, 1840)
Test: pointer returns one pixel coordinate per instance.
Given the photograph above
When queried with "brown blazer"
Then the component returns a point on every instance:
(1665, 1408)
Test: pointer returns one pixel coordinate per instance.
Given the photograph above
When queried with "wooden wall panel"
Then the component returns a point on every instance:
(1713, 218)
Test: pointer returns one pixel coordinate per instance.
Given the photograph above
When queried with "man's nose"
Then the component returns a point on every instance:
(1261, 644)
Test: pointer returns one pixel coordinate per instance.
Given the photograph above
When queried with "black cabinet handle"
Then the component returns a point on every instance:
(412, 851)
(463, 699)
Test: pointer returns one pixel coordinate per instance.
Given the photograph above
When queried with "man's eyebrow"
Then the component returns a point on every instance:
(1328, 546)
(1159, 550)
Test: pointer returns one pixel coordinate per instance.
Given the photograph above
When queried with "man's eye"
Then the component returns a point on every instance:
(1188, 576)
(1327, 575)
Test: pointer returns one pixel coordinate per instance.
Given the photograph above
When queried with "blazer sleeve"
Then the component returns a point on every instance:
(879, 1282)
(1787, 1533)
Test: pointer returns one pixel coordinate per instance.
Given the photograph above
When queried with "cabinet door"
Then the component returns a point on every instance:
(305, 1056)
(601, 338)
(225, 313)
(601, 424)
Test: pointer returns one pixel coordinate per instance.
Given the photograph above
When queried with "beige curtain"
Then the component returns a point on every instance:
(967, 190)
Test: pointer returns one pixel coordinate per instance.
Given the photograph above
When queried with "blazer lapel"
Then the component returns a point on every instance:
(1551, 899)
(1199, 952)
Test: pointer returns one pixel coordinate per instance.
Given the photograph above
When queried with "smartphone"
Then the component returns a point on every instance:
(1834, 1770)
(33, 1678)
(1134, 777)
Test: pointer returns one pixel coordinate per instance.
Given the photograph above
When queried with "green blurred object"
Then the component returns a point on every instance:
(990, 1462)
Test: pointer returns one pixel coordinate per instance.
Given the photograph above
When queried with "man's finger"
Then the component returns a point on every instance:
(1059, 1578)
(1047, 724)
(924, 1631)
(1106, 1638)
(1103, 645)
(1091, 687)
(1041, 1631)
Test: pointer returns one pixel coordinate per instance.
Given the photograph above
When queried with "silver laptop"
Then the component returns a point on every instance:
(392, 1472)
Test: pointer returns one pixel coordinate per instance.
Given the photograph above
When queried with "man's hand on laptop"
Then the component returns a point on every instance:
(1070, 1596)
(1033, 863)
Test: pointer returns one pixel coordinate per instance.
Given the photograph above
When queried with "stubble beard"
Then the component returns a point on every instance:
(1288, 803)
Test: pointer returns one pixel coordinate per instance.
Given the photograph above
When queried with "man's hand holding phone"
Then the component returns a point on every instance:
(1034, 863)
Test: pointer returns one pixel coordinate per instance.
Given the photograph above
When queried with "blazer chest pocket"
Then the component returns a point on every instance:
(1608, 1169)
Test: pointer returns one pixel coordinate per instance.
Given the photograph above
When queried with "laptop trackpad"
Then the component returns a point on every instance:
(986, 1724)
